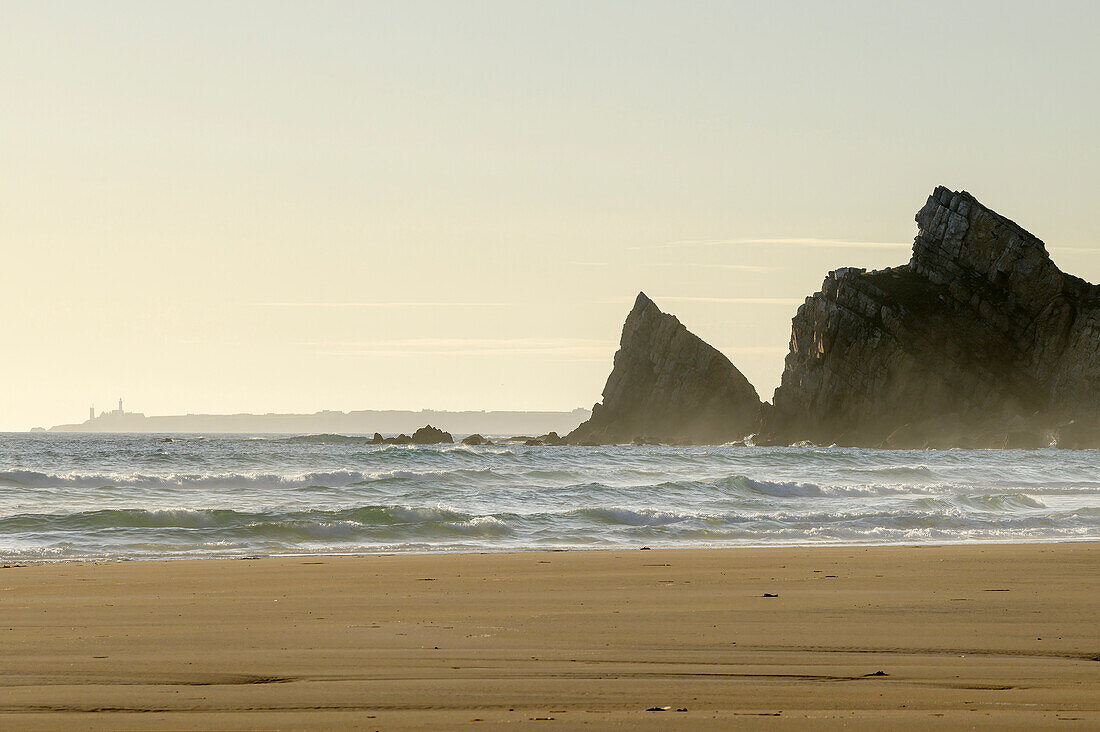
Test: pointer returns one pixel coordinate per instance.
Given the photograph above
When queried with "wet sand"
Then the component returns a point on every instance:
(990, 636)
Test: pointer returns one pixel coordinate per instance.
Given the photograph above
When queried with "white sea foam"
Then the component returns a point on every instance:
(69, 496)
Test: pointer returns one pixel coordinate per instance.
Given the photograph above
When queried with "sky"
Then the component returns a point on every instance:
(288, 207)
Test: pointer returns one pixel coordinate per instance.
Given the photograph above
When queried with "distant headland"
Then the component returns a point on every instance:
(356, 422)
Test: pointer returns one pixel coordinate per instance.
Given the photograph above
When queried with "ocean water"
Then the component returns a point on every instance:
(68, 496)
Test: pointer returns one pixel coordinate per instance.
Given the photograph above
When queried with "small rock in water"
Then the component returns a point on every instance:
(768, 594)
(549, 439)
(429, 435)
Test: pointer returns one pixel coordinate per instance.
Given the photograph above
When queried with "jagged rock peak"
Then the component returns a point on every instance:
(978, 337)
(429, 435)
(668, 385)
(959, 238)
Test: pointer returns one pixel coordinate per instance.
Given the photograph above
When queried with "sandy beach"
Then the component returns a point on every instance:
(986, 636)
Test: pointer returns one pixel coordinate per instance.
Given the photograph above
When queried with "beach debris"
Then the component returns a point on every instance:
(681, 709)
(644, 549)
(769, 594)
(876, 673)
(658, 709)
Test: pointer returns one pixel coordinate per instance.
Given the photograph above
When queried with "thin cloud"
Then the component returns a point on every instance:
(793, 241)
(579, 349)
(694, 265)
(736, 300)
(709, 265)
(721, 300)
(394, 304)
(754, 349)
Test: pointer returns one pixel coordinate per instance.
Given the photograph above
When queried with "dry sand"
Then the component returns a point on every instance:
(887, 637)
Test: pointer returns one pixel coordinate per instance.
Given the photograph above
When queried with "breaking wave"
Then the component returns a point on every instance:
(111, 496)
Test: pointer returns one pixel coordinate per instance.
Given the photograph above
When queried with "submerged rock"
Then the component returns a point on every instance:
(979, 341)
(667, 385)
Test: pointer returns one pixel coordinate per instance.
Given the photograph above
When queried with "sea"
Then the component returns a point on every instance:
(133, 497)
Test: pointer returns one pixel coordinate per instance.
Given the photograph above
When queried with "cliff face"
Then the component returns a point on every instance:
(980, 340)
(667, 385)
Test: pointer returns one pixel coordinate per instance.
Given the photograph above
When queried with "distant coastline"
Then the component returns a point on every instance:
(355, 422)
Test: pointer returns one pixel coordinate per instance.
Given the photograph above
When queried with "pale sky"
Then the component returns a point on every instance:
(271, 206)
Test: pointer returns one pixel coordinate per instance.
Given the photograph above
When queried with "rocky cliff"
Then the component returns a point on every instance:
(979, 341)
(667, 385)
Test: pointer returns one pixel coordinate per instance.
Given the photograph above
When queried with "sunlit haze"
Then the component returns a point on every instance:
(266, 206)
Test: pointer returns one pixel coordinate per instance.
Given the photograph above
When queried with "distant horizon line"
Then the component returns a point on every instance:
(357, 421)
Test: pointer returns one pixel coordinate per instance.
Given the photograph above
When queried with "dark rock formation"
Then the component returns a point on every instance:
(424, 436)
(979, 341)
(667, 385)
(431, 436)
(551, 439)
(473, 440)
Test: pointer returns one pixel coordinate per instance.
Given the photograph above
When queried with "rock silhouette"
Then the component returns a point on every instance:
(979, 341)
(429, 435)
(667, 385)
(426, 435)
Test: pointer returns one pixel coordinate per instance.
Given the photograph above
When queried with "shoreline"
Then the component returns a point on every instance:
(488, 551)
(977, 634)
